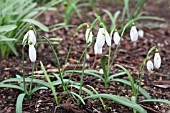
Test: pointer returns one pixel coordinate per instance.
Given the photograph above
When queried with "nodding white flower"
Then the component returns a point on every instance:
(88, 35)
(149, 65)
(157, 59)
(103, 36)
(141, 33)
(116, 38)
(30, 36)
(97, 50)
(32, 53)
(133, 34)
(101, 71)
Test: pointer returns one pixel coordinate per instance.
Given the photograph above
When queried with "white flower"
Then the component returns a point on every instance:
(157, 60)
(32, 53)
(116, 38)
(97, 50)
(103, 36)
(88, 39)
(141, 33)
(101, 71)
(149, 65)
(133, 34)
(30, 36)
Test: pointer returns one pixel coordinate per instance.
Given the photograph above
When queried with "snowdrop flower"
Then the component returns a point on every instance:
(149, 65)
(103, 36)
(141, 33)
(30, 35)
(32, 53)
(133, 33)
(101, 71)
(88, 35)
(97, 50)
(116, 37)
(157, 59)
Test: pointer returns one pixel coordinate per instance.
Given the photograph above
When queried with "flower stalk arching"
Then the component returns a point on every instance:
(142, 70)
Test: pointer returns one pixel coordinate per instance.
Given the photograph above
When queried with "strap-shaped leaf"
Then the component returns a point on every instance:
(157, 100)
(7, 28)
(20, 99)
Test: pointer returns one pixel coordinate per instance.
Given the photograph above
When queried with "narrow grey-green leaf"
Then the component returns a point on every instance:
(37, 23)
(157, 100)
(19, 103)
(7, 28)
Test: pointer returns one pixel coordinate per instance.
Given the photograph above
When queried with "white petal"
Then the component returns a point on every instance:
(101, 71)
(97, 50)
(88, 39)
(133, 33)
(108, 39)
(141, 33)
(157, 60)
(116, 38)
(100, 40)
(25, 38)
(32, 53)
(149, 65)
(32, 36)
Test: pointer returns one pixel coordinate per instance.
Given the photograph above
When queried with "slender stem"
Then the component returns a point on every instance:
(33, 66)
(23, 70)
(82, 75)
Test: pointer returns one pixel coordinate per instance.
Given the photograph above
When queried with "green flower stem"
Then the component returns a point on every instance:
(33, 67)
(58, 65)
(23, 70)
(82, 75)
(117, 47)
(140, 73)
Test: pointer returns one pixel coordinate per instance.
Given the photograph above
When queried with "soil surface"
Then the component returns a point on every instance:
(130, 55)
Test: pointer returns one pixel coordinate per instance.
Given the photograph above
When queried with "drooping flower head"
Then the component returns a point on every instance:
(116, 37)
(133, 33)
(31, 39)
(149, 65)
(97, 50)
(157, 59)
(141, 33)
(103, 36)
(88, 35)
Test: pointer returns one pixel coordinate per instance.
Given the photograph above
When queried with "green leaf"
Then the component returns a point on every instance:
(26, 80)
(37, 23)
(141, 90)
(130, 78)
(20, 99)
(116, 75)
(50, 83)
(119, 99)
(83, 88)
(85, 72)
(4, 38)
(7, 28)
(11, 86)
(38, 88)
(157, 100)
(81, 99)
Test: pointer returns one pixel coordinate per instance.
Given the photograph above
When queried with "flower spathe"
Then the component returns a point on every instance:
(157, 60)
(116, 38)
(32, 53)
(149, 65)
(97, 50)
(103, 36)
(88, 35)
(133, 34)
